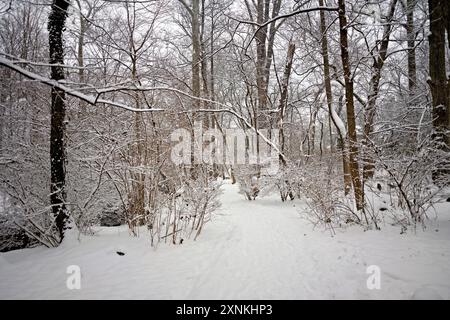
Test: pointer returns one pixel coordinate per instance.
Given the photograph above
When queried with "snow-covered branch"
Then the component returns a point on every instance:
(94, 100)
(287, 15)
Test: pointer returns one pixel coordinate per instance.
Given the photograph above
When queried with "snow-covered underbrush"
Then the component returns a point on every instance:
(173, 215)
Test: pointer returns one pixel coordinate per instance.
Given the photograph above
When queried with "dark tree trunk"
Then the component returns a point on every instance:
(196, 47)
(271, 40)
(284, 96)
(410, 31)
(351, 120)
(80, 56)
(327, 79)
(260, 37)
(438, 77)
(56, 21)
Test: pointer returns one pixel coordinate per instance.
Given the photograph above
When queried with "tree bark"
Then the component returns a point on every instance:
(80, 54)
(260, 37)
(438, 77)
(283, 97)
(351, 120)
(411, 36)
(370, 108)
(271, 40)
(329, 94)
(56, 22)
(196, 52)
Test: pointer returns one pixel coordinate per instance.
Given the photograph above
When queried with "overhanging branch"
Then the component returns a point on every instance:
(94, 100)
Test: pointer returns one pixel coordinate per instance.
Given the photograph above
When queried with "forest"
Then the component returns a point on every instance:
(180, 128)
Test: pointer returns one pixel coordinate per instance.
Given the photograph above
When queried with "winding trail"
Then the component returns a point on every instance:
(261, 249)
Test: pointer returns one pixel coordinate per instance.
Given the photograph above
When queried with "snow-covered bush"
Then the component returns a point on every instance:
(22, 226)
(12, 236)
(183, 211)
(410, 180)
(248, 180)
(322, 190)
(199, 200)
(254, 182)
(24, 189)
(287, 181)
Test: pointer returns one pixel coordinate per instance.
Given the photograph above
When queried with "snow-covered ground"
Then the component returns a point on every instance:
(259, 249)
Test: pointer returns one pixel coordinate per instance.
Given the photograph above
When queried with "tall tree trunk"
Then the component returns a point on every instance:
(260, 38)
(329, 94)
(138, 183)
(351, 120)
(211, 59)
(56, 21)
(282, 109)
(370, 108)
(204, 67)
(271, 40)
(411, 36)
(196, 52)
(283, 97)
(194, 12)
(80, 56)
(196, 69)
(438, 77)
(260, 119)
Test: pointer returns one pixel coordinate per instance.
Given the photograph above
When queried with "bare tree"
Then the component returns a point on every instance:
(370, 108)
(438, 76)
(351, 119)
(329, 96)
(56, 21)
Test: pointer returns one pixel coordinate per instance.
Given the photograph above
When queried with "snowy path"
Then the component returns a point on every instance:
(252, 250)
